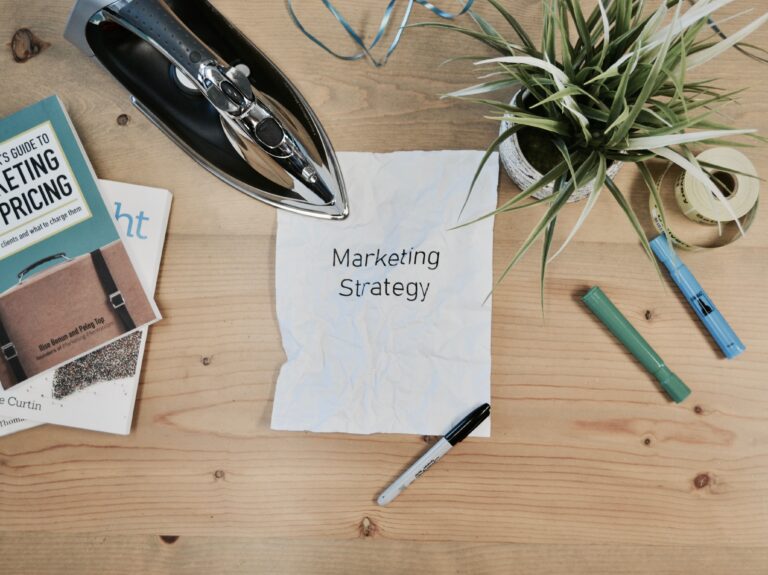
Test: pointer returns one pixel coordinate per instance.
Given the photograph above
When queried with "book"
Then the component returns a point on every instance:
(98, 391)
(10, 425)
(67, 283)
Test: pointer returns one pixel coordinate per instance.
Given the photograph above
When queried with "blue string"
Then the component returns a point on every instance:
(366, 50)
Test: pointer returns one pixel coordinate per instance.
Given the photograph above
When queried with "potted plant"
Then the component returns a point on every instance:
(616, 91)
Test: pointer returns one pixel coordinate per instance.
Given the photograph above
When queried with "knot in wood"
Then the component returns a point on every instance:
(701, 480)
(367, 527)
(25, 45)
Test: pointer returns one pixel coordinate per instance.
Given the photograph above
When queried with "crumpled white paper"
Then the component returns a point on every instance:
(395, 342)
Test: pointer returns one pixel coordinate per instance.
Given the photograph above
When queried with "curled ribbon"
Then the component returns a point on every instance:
(366, 50)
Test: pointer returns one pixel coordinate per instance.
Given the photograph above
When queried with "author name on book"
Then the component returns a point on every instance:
(13, 401)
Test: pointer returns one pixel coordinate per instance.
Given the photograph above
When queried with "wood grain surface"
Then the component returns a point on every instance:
(589, 470)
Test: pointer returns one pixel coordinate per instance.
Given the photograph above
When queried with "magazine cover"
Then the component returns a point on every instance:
(98, 391)
(67, 284)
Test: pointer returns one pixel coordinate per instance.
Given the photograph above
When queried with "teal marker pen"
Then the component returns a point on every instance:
(619, 326)
(710, 316)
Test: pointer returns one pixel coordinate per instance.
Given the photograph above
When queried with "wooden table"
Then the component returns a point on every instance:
(589, 470)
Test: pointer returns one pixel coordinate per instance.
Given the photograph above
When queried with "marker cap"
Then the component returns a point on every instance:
(672, 385)
(467, 425)
(667, 256)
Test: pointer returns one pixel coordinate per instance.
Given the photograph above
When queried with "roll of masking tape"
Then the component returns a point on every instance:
(739, 185)
(735, 176)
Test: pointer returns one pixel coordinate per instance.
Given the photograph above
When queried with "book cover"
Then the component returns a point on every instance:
(10, 425)
(67, 283)
(98, 390)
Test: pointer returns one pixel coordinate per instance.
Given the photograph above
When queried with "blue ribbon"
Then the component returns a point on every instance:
(366, 50)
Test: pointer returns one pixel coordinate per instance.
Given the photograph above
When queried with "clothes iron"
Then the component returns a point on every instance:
(221, 99)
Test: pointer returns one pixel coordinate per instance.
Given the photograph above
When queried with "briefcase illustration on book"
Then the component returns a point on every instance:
(61, 311)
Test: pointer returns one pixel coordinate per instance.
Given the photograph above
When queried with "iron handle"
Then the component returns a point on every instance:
(154, 20)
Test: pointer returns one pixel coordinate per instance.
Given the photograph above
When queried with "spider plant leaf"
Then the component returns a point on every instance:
(490, 41)
(650, 183)
(655, 142)
(630, 157)
(753, 47)
(597, 115)
(553, 70)
(558, 76)
(563, 149)
(695, 14)
(459, 59)
(534, 202)
(723, 20)
(566, 50)
(731, 144)
(678, 81)
(642, 45)
(515, 203)
(702, 57)
(519, 30)
(508, 133)
(717, 167)
(720, 99)
(485, 26)
(623, 17)
(585, 38)
(632, 217)
(645, 93)
(549, 232)
(551, 176)
(564, 93)
(652, 24)
(546, 124)
(531, 83)
(638, 9)
(655, 115)
(606, 34)
(685, 122)
(692, 166)
(592, 22)
(483, 88)
(549, 25)
(564, 191)
(749, 50)
(597, 187)
(619, 109)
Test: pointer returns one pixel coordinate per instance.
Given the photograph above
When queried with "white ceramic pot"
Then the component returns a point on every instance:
(525, 175)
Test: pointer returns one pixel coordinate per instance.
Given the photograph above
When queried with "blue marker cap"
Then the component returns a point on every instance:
(710, 316)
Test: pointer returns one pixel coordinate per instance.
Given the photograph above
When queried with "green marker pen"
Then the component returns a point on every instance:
(619, 326)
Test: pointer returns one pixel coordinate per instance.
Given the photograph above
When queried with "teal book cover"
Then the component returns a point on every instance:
(67, 284)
